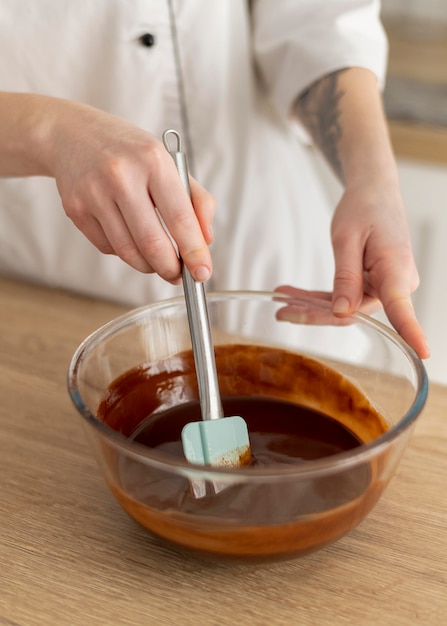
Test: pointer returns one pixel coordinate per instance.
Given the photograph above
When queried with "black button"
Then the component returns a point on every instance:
(147, 40)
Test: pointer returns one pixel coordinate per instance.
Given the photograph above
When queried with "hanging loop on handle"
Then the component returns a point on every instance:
(178, 155)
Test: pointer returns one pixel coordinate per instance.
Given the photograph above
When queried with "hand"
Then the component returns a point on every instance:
(373, 265)
(113, 178)
(373, 258)
(370, 236)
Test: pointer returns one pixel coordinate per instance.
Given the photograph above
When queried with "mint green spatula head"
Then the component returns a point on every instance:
(220, 442)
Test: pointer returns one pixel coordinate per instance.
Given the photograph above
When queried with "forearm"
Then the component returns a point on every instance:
(33, 128)
(24, 119)
(343, 113)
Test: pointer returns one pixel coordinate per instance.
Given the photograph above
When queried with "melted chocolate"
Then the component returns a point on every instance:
(280, 432)
(296, 409)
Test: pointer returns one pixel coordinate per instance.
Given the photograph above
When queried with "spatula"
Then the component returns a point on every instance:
(216, 440)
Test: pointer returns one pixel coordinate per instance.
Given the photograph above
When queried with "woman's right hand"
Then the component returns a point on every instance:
(114, 179)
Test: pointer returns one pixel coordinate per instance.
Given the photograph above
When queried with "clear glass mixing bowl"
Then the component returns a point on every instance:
(259, 512)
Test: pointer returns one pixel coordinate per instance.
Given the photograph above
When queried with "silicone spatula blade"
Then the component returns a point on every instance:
(222, 442)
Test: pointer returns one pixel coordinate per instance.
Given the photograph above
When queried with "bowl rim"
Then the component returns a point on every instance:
(339, 461)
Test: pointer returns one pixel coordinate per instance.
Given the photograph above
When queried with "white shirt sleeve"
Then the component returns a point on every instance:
(297, 42)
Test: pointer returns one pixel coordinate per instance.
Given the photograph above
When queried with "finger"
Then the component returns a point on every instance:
(310, 314)
(205, 207)
(302, 311)
(176, 209)
(141, 234)
(297, 292)
(368, 305)
(131, 224)
(92, 229)
(370, 299)
(304, 306)
(395, 294)
(107, 242)
(348, 277)
(148, 249)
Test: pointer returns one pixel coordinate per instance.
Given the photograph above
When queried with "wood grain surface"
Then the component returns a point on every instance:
(70, 556)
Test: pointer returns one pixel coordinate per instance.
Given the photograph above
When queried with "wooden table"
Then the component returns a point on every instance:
(70, 556)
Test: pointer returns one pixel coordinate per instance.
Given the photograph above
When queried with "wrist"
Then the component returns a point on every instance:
(382, 174)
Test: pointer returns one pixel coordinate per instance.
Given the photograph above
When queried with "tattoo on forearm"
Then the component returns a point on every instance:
(319, 111)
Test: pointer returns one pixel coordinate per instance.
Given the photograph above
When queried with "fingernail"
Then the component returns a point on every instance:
(341, 305)
(202, 273)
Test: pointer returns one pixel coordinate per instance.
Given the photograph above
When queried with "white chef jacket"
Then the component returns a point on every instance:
(237, 69)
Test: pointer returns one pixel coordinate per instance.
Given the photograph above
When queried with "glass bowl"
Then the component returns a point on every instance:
(132, 379)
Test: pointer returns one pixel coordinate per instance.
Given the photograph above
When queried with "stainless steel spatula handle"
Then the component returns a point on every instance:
(202, 345)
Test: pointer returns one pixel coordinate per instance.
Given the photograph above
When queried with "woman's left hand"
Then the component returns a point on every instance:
(374, 265)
